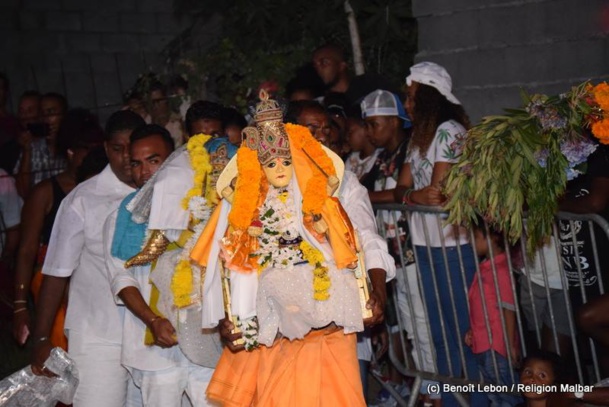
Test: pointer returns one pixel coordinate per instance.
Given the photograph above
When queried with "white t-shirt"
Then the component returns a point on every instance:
(552, 264)
(360, 166)
(76, 250)
(444, 148)
(10, 205)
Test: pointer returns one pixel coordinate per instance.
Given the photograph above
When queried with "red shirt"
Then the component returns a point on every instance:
(494, 305)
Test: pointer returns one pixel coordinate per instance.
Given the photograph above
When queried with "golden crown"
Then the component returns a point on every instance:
(269, 137)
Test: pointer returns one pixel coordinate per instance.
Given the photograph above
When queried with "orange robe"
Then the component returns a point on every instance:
(320, 370)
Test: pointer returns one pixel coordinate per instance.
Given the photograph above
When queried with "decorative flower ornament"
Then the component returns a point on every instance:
(524, 158)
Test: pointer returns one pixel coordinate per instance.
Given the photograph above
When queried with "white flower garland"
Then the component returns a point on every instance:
(278, 220)
(200, 213)
(199, 209)
(249, 329)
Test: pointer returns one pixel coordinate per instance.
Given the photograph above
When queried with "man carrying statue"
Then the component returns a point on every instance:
(284, 259)
(149, 271)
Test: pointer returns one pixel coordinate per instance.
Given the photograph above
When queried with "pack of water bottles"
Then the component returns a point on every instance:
(24, 389)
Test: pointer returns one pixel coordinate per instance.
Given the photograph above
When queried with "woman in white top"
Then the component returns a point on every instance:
(439, 124)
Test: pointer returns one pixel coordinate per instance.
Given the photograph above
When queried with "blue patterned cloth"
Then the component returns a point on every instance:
(216, 145)
(220, 152)
(128, 235)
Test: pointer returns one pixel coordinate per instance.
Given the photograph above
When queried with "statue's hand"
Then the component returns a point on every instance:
(320, 225)
(332, 186)
(228, 193)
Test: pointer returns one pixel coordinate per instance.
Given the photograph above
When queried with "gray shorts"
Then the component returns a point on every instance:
(541, 315)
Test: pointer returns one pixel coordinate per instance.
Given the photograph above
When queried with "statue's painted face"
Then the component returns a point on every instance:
(279, 172)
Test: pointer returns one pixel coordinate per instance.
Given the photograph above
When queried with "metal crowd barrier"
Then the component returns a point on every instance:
(550, 290)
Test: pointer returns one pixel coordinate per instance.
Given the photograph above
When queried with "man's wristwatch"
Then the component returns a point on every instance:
(579, 395)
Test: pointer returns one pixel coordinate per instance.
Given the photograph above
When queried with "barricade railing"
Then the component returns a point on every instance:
(438, 273)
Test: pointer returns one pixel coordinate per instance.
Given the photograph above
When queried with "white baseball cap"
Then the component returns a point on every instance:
(432, 74)
(384, 103)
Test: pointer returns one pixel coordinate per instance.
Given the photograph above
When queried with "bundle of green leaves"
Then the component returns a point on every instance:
(519, 162)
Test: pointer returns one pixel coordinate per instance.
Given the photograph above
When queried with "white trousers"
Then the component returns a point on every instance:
(408, 285)
(102, 379)
(165, 388)
(415, 316)
(134, 395)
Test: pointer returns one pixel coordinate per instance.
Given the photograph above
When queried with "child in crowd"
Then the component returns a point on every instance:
(234, 122)
(363, 152)
(544, 372)
(491, 293)
(540, 370)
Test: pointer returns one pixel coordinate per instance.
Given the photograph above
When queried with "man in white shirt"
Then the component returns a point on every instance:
(159, 368)
(356, 202)
(93, 321)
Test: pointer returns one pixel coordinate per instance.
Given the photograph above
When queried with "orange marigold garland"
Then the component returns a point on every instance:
(247, 190)
(601, 95)
(600, 117)
(600, 129)
(315, 192)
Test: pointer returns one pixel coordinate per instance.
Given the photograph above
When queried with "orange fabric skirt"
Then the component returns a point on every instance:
(319, 370)
(58, 337)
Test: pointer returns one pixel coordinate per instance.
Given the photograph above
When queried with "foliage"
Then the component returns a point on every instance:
(389, 36)
(522, 160)
(142, 85)
(268, 40)
(235, 74)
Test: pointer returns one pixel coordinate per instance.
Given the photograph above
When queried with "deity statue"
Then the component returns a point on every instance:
(281, 260)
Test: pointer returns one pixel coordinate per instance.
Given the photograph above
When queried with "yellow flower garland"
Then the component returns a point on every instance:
(182, 284)
(182, 279)
(321, 276)
(200, 162)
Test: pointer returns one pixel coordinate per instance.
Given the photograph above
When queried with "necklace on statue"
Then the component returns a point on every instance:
(280, 239)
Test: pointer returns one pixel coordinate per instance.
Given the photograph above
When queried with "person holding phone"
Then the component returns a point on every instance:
(40, 158)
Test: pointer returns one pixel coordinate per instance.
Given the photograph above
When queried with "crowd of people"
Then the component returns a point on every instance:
(187, 253)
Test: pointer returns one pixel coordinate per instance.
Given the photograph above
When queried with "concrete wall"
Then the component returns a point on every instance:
(493, 48)
(89, 50)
